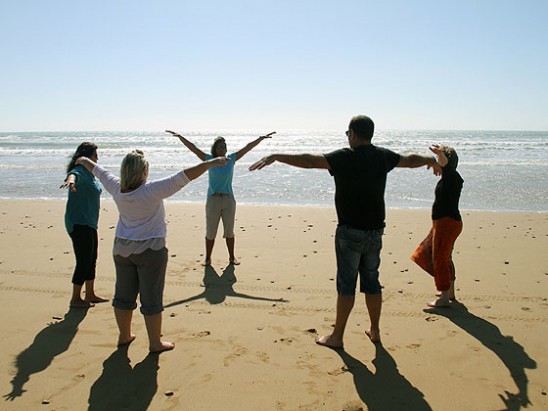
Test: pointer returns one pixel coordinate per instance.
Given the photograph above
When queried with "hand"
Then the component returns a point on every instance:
(173, 133)
(219, 161)
(436, 168)
(80, 161)
(69, 184)
(269, 135)
(262, 163)
(437, 149)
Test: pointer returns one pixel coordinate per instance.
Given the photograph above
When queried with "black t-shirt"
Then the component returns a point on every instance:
(360, 180)
(447, 195)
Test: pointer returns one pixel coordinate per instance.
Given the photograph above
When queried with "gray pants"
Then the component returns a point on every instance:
(217, 208)
(142, 274)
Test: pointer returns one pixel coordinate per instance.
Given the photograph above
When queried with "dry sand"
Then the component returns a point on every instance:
(245, 335)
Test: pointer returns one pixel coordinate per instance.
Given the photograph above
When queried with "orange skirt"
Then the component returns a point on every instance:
(434, 254)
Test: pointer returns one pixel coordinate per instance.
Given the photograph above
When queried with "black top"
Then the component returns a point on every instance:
(360, 180)
(447, 195)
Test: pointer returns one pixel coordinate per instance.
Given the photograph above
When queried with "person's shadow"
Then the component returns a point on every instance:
(48, 344)
(384, 389)
(509, 351)
(121, 387)
(217, 288)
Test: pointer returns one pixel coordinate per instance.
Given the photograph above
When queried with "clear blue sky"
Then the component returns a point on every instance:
(280, 64)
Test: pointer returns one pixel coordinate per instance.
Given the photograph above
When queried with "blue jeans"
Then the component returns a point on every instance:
(358, 251)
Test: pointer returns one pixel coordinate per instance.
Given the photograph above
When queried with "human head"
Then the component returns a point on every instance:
(134, 171)
(219, 141)
(452, 157)
(86, 149)
(362, 127)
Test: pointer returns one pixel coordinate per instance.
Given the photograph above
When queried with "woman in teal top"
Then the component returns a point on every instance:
(81, 217)
(220, 203)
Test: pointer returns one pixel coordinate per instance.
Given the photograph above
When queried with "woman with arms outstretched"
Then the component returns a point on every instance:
(81, 222)
(220, 203)
(140, 253)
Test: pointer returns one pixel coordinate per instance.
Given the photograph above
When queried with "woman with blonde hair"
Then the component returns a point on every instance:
(140, 253)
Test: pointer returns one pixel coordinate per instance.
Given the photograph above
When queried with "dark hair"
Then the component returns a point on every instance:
(86, 149)
(217, 141)
(362, 126)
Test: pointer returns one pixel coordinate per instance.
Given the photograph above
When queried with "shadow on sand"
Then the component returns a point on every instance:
(512, 354)
(121, 387)
(386, 388)
(53, 340)
(217, 288)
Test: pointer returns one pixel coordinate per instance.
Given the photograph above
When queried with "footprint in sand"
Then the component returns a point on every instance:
(237, 352)
(263, 357)
(413, 346)
(338, 371)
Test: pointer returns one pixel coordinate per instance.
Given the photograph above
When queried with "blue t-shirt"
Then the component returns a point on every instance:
(220, 178)
(83, 205)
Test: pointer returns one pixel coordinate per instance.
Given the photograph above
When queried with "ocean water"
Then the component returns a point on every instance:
(503, 170)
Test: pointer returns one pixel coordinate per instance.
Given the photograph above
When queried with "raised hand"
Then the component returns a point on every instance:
(437, 149)
(173, 133)
(269, 135)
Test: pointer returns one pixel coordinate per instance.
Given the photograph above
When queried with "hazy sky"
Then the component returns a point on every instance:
(280, 64)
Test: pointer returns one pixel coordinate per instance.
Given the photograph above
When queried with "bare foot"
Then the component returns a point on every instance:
(96, 299)
(374, 335)
(161, 347)
(440, 302)
(234, 261)
(450, 293)
(81, 304)
(451, 297)
(123, 343)
(330, 342)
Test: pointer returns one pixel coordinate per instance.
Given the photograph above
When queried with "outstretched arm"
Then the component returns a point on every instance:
(201, 155)
(196, 171)
(70, 182)
(295, 160)
(242, 152)
(418, 160)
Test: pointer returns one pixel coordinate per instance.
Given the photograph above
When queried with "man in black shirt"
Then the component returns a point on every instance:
(360, 178)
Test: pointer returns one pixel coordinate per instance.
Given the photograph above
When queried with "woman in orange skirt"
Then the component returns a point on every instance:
(433, 254)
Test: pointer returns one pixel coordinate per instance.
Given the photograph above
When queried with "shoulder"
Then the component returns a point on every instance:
(385, 151)
(341, 152)
(78, 170)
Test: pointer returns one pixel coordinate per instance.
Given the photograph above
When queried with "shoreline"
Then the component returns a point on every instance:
(247, 332)
(300, 205)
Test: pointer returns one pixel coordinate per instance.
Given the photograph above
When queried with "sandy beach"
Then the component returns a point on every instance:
(244, 335)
